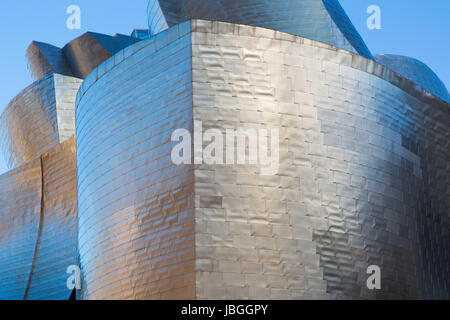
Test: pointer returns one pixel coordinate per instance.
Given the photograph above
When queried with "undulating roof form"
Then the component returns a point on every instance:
(416, 71)
(44, 59)
(320, 20)
(78, 58)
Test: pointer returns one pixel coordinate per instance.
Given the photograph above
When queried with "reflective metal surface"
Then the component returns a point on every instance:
(363, 162)
(38, 235)
(320, 20)
(38, 119)
(88, 51)
(416, 71)
(362, 179)
(136, 208)
(78, 58)
(44, 59)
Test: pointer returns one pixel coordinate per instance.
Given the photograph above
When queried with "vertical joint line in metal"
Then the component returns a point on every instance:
(38, 240)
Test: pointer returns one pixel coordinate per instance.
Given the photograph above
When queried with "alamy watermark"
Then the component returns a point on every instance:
(74, 20)
(74, 280)
(229, 146)
(374, 20)
(374, 280)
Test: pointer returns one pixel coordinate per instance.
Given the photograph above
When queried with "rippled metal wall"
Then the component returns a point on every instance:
(363, 173)
(320, 20)
(136, 209)
(38, 119)
(38, 236)
(363, 176)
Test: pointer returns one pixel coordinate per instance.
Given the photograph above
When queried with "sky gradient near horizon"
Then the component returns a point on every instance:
(416, 28)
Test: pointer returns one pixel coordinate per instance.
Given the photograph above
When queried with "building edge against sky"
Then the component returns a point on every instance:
(363, 156)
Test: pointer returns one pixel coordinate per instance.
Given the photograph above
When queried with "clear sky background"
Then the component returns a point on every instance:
(416, 28)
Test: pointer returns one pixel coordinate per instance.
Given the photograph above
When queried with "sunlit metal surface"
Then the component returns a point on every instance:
(136, 208)
(416, 71)
(38, 236)
(320, 20)
(362, 179)
(38, 119)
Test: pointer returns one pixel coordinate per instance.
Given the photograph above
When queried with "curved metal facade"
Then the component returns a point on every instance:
(38, 119)
(19, 220)
(363, 175)
(136, 208)
(38, 218)
(416, 71)
(324, 21)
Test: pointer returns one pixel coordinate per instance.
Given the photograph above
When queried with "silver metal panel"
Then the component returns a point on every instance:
(38, 119)
(416, 71)
(136, 210)
(324, 21)
(362, 180)
(38, 218)
(20, 202)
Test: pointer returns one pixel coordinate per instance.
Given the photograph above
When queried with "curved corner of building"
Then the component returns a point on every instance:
(38, 119)
(416, 71)
(126, 177)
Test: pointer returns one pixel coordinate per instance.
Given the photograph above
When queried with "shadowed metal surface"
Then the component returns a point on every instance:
(416, 71)
(33, 265)
(44, 59)
(363, 175)
(324, 21)
(38, 119)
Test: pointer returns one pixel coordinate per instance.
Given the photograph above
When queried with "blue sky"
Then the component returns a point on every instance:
(415, 28)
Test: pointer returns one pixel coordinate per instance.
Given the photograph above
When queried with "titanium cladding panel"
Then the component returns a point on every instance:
(136, 210)
(320, 20)
(38, 236)
(416, 71)
(38, 119)
(20, 203)
(44, 59)
(362, 177)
